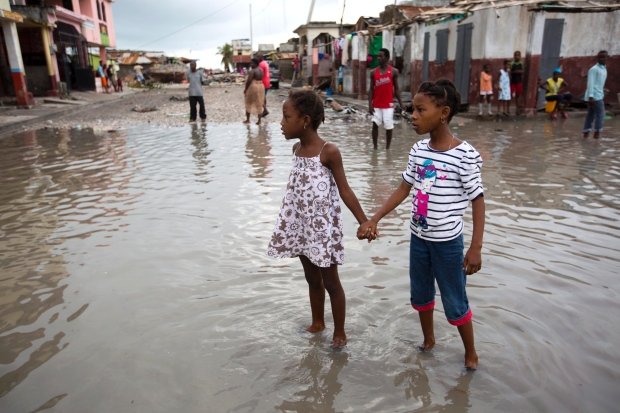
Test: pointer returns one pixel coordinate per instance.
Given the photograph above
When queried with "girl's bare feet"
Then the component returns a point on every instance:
(471, 361)
(246, 121)
(315, 327)
(339, 341)
(427, 345)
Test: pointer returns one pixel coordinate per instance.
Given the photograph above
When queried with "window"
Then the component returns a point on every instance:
(442, 46)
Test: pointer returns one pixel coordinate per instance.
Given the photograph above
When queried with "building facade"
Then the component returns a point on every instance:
(53, 46)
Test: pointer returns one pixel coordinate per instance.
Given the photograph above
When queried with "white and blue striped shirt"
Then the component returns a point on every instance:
(443, 183)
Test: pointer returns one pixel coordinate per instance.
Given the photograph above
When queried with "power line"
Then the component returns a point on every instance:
(189, 25)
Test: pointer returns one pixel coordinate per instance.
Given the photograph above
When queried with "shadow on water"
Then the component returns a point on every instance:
(134, 275)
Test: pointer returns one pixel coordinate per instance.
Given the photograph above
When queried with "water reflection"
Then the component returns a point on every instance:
(322, 387)
(52, 183)
(201, 151)
(258, 151)
(428, 388)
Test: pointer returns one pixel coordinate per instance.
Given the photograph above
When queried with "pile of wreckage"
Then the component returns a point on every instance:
(175, 73)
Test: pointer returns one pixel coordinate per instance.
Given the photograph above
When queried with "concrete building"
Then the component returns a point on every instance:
(318, 49)
(242, 53)
(454, 42)
(53, 46)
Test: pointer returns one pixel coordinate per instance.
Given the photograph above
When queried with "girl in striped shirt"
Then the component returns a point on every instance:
(444, 173)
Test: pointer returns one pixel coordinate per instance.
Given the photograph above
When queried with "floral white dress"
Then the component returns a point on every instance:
(309, 222)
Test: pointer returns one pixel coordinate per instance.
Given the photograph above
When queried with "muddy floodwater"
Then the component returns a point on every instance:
(134, 276)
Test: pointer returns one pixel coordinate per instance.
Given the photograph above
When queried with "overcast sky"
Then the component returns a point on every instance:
(195, 29)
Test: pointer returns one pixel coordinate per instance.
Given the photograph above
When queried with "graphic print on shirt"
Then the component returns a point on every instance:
(427, 176)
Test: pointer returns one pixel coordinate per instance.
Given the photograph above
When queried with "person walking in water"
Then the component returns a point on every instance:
(595, 93)
(254, 92)
(194, 77)
(383, 88)
(445, 173)
(309, 225)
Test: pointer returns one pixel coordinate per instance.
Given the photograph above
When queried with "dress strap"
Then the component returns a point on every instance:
(318, 155)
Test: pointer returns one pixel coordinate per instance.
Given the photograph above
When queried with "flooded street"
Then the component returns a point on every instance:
(134, 276)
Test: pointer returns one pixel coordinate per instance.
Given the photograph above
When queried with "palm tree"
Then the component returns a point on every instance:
(227, 56)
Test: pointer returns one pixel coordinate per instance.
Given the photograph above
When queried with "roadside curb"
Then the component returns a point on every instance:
(40, 114)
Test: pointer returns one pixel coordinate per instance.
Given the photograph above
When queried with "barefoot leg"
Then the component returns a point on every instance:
(316, 291)
(338, 302)
(467, 335)
(428, 330)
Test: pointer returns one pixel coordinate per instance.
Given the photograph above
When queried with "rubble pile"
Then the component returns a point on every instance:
(168, 73)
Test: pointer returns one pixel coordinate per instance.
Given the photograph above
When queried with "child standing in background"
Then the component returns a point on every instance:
(309, 225)
(444, 172)
(517, 70)
(486, 89)
(503, 87)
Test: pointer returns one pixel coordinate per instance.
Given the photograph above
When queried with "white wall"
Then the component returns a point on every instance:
(387, 41)
(497, 33)
(587, 33)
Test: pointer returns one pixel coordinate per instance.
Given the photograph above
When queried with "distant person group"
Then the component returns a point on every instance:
(509, 87)
(109, 75)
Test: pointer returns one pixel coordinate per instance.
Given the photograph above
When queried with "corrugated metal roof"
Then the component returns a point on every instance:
(465, 7)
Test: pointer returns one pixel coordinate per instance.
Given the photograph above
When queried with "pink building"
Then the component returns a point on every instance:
(52, 46)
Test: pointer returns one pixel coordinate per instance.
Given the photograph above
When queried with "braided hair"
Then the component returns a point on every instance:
(308, 103)
(444, 93)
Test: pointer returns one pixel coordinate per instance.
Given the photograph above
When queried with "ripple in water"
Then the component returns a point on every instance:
(134, 275)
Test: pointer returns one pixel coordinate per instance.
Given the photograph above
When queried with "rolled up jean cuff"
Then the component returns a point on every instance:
(425, 307)
(463, 320)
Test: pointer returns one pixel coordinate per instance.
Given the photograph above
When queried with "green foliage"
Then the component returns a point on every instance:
(227, 56)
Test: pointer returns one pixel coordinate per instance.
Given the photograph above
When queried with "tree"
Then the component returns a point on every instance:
(227, 56)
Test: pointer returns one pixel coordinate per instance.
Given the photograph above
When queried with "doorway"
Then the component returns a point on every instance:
(463, 61)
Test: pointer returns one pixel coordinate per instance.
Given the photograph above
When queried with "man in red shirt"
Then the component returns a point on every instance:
(383, 88)
(264, 66)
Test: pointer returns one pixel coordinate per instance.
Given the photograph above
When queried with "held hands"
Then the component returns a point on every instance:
(368, 230)
(472, 262)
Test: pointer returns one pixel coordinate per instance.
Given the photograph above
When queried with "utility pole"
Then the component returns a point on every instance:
(310, 14)
(251, 34)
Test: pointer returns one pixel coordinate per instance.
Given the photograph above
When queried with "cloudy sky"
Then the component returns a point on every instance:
(195, 29)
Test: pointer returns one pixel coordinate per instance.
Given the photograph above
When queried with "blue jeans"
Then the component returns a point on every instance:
(596, 114)
(431, 261)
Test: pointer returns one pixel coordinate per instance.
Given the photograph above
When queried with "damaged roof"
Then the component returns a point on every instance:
(466, 7)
